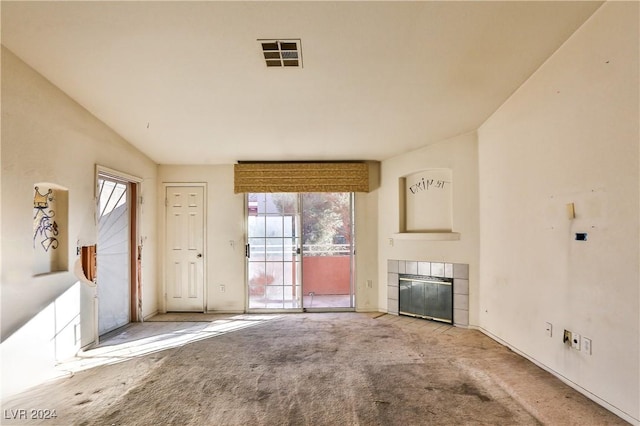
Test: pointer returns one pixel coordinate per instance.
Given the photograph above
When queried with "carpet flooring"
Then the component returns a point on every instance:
(305, 369)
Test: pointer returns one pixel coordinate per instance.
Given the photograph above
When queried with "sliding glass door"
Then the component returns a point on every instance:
(273, 251)
(300, 251)
(327, 250)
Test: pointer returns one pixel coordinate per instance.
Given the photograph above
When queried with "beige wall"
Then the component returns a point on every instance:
(569, 135)
(367, 268)
(47, 137)
(461, 156)
(225, 223)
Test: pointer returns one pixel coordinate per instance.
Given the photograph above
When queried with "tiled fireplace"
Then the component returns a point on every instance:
(459, 272)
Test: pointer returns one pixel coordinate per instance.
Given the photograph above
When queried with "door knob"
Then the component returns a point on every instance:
(199, 255)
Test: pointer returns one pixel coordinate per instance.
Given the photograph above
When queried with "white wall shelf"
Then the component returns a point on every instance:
(427, 236)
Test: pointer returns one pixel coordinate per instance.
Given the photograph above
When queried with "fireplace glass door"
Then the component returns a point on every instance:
(426, 297)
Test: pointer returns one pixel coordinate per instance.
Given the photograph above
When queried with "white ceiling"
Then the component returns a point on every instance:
(185, 82)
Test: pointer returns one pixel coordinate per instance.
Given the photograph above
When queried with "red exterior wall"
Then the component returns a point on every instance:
(326, 274)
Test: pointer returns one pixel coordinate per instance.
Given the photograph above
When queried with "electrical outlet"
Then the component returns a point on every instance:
(548, 328)
(222, 288)
(575, 341)
(586, 345)
(370, 283)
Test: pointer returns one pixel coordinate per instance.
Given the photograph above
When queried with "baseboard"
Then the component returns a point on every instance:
(87, 347)
(146, 317)
(618, 412)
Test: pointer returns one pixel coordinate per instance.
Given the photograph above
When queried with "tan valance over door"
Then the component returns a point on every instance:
(302, 177)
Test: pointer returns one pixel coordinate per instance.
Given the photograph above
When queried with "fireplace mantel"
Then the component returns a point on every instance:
(427, 236)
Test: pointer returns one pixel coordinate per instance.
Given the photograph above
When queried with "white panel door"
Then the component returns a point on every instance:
(184, 249)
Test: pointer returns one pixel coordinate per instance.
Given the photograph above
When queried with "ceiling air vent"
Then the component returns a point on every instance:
(282, 53)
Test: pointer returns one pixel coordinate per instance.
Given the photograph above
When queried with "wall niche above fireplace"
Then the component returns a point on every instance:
(426, 204)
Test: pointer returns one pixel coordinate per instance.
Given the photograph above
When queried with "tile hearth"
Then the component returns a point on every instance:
(458, 271)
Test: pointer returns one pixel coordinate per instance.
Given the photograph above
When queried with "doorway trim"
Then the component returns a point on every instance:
(135, 289)
(162, 308)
